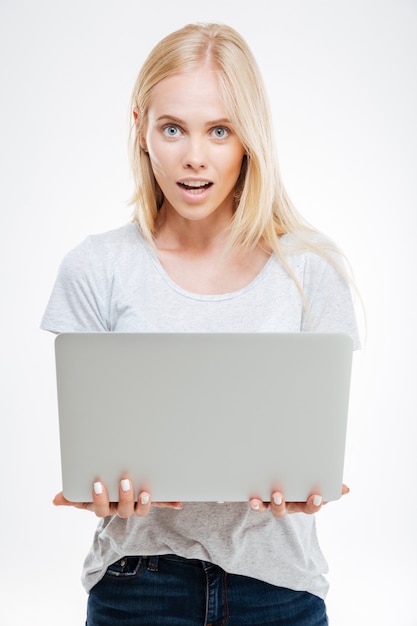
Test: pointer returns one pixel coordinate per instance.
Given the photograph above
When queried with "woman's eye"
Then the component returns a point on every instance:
(220, 132)
(171, 130)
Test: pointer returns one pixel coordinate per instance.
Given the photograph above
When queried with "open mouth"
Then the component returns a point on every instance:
(195, 186)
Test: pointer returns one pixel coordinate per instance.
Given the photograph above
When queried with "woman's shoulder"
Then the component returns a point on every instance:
(305, 240)
(100, 255)
(313, 248)
(316, 260)
(109, 244)
(127, 235)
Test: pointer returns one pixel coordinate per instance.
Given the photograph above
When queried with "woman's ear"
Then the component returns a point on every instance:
(138, 123)
(136, 115)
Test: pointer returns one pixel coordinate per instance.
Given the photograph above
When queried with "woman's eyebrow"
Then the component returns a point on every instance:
(172, 118)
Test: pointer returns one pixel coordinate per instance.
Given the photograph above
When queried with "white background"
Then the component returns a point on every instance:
(342, 82)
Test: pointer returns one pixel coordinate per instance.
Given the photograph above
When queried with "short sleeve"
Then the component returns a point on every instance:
(78, 301)
(329, 297)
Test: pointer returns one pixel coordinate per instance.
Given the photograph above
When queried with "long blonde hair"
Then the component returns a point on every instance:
(263, 210)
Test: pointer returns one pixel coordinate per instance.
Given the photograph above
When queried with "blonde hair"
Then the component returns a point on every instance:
(263, 210)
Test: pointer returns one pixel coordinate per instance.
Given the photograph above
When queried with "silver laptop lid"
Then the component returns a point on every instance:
(203, 417)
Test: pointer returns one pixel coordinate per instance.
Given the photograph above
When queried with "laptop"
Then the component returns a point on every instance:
(203, 417)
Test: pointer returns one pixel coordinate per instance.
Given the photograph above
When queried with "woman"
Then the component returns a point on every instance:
(215, 245)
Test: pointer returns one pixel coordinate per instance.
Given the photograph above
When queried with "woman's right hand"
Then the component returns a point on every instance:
(126, 507)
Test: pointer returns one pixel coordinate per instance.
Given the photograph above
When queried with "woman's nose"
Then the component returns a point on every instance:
(194, 154)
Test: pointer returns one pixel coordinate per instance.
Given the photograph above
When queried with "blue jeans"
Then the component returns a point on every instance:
(172, 591)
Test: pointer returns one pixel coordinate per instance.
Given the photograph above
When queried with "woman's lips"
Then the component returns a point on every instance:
(195, 186)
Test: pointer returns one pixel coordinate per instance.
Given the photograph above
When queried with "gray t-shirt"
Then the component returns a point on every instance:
(114, 282)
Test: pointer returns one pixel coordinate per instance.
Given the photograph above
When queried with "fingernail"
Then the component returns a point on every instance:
(98, 488)
(277, 499)
(125, 484)
(144, 499)
(317, 500)
(255, 506)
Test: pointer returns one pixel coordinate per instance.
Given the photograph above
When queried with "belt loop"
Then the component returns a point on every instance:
(153, 563)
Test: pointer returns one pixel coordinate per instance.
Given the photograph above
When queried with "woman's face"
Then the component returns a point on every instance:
(195, 154)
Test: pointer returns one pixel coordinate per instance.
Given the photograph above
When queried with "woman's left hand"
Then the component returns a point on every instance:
(279, 507)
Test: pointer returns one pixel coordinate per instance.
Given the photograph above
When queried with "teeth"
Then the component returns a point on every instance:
(195, 183)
